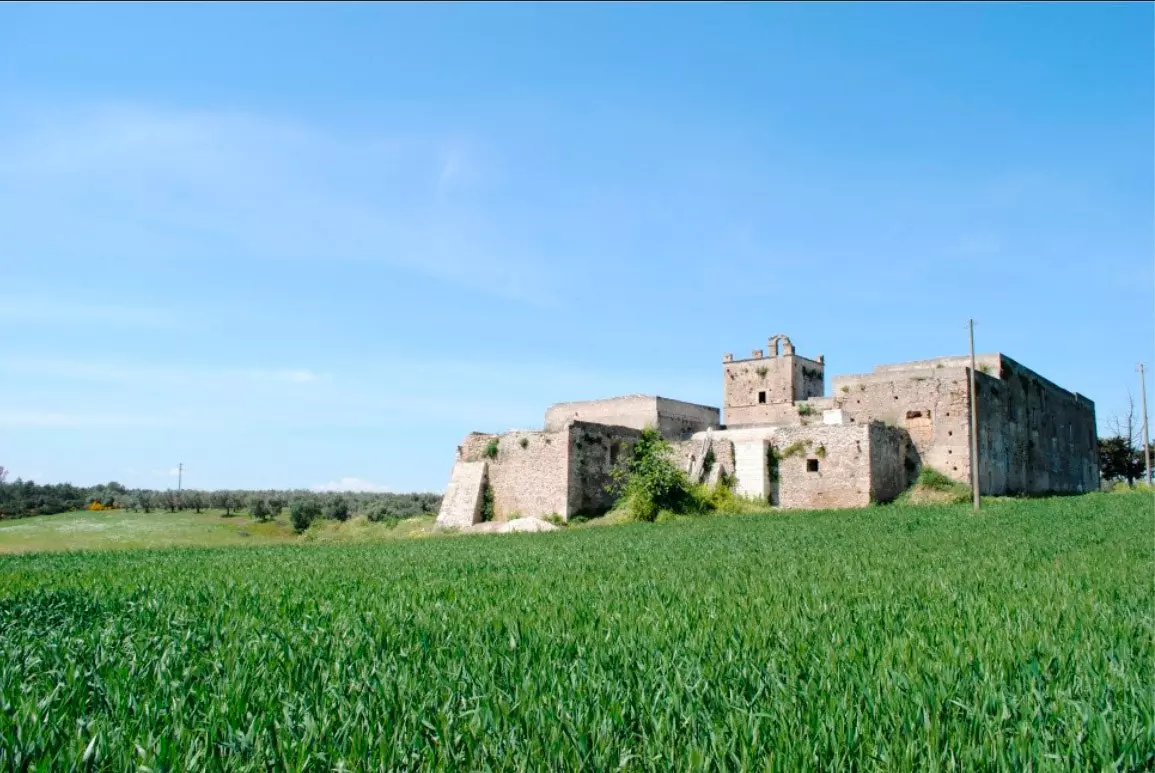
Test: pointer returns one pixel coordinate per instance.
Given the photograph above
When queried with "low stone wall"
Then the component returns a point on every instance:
(529, 475)
(823, 466)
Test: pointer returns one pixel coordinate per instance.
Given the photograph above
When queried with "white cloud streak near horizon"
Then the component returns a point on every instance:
(351, 485)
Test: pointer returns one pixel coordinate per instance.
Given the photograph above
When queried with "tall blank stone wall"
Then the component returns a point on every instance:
(636, 411)
(679, 420)
(889, 476)
(674, 419)
(1034, 436)
(752, 469)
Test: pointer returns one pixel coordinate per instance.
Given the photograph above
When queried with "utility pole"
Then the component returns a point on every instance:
(179, 476)
(974, 424)
(1146, 434)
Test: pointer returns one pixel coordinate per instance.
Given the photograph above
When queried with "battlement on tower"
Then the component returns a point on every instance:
(756, 390)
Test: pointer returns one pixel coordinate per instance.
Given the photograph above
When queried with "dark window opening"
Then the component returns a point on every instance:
(812, 465)
(761, 397)
(914, 414)
(614, 450)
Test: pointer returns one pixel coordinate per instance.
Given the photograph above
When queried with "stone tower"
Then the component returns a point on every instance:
(764, 388)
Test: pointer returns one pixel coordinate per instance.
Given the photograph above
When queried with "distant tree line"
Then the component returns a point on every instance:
(20, 499)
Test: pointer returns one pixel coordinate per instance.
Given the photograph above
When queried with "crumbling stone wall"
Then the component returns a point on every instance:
(690, 456)
(546, 473)
(825, 466)
(931, 404)
(594, 450)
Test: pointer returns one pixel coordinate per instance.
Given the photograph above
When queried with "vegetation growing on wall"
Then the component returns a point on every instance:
(805, 409)
(761, 370)
(491, 449)
(487, 511)
(797, 448)
(708, 462)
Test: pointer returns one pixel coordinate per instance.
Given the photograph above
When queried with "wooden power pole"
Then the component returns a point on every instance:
(974, 424)
(1146, 433)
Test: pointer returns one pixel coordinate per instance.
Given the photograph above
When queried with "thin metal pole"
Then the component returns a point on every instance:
(1146, 433)
(179, 476)
(974, 424)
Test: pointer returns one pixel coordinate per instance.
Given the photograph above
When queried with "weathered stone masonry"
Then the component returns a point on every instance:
(789, 444)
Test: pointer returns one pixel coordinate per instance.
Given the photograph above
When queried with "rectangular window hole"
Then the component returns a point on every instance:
(812, 465)
(761, 397)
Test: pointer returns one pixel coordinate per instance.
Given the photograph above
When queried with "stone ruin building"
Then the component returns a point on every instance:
(784, 441)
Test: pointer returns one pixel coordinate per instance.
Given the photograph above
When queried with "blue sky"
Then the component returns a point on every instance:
(294, 245)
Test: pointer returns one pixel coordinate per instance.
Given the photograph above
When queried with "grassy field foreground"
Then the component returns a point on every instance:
(897, 638)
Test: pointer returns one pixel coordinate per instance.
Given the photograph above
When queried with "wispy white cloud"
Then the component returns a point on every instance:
(157, 375)
(270, 189)
(350, 484)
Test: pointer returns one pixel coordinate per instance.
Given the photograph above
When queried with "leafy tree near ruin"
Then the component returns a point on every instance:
(1120, 460)
(1121, 453)
(649, 481)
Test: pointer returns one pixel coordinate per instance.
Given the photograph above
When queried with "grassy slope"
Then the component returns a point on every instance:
(894, 638)
(105, 530)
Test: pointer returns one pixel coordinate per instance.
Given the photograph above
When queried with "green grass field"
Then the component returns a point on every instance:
(893, 638)
(121, 530)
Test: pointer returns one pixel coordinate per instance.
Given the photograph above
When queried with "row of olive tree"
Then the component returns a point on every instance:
(21, 498)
